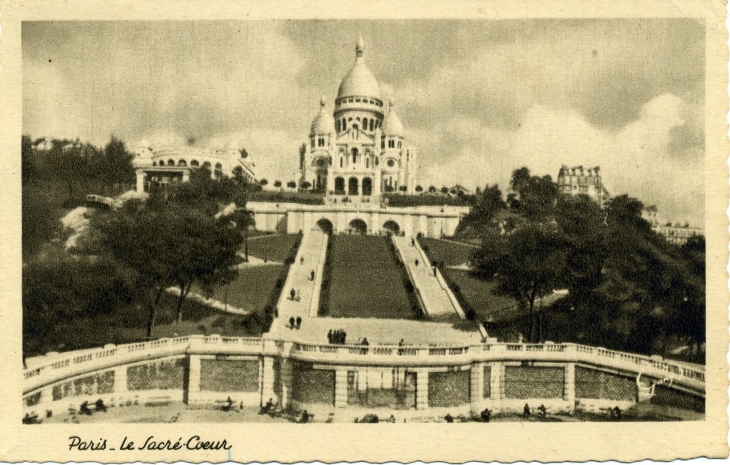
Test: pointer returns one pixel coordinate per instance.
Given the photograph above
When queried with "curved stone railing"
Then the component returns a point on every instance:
(52, 368)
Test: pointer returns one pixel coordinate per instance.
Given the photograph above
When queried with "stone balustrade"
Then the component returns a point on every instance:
(54, 367)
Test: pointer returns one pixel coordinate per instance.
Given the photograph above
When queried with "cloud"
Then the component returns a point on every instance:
(633, 160)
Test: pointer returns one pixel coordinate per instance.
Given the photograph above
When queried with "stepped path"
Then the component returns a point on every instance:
(436, 296)
(310, 257)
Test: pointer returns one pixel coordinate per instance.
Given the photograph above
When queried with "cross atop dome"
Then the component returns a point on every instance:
(360, 46)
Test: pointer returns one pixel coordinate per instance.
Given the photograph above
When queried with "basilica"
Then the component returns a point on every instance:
(359, 151)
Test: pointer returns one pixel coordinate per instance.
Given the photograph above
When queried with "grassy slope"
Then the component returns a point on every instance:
(366, 280)
(273, 248)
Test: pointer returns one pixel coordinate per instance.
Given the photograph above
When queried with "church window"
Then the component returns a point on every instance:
(398, 144)
(344, 124)
(357, 100)
(391, 144)
(341, 161)
(365, 124)
(350, 101)
(391, 163)
(337, 124)
(371, 125)
(320, 142)
(312, 142)
(354, 127)
(377, 161)
(367, 162)
(354, 156)
(349, 119)
(382, 144)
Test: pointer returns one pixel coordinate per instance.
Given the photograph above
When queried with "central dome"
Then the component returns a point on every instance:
(360, 80)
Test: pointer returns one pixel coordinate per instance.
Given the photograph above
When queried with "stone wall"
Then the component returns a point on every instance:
(163, 374)
(449, 388)
(101, 383)
(529, 382)
(595, 384)
(310, 386)
(229, 375)
(673, 398)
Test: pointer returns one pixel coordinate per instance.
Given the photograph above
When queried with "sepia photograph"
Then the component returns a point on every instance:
(361, 220)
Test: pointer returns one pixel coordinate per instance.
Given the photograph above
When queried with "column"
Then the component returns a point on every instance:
(140, 180)
(120, 380)
(569, 389)
(285, 375)
(341, 388)
(193, 378)
(477, 387)
(421, 389)
(267, 379)
(496, 388)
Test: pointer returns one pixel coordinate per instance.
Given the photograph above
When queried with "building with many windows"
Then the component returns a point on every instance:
(358, 151)
(173, 165)
(579, 180)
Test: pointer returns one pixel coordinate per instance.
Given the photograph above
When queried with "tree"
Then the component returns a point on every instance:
(306, 185)
(291, 185)
(403, 188)
(444, 190)
(533, 196)
(263, 182)
(525, 265)
(432, 189)
(277, 184)
(419, 189)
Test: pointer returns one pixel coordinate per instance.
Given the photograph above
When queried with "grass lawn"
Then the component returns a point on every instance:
(448, 252)
(251, 290)
(478, 294)
(366, 280)
(273, 248)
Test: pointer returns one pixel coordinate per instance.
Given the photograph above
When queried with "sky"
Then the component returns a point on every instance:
(478, 98)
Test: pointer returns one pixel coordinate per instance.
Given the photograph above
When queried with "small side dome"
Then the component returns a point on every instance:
(392, 125)
(324, 123)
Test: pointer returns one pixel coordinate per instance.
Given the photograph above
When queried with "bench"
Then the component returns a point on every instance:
(158, 401)
(224, 405)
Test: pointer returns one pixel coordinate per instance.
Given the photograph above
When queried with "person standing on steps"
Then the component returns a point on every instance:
(301, 260)
(299, 322)
(292, 293)
(311, 274)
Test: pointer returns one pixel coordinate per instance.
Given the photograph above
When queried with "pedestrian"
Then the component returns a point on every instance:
(413, 242)
(298, 297)
(617, 412)
(416, 262)
(542, 410)
(449, 418)
(311, 274)
(526, 411)
(301, 260)
(434, 271)
(344, 337)
(292, 293)
(486, 415)
(291, 322)
(299, 322)
(365, 343)
(329, 336)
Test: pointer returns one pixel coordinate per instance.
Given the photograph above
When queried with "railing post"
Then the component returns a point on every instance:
(341, 388)
(477, 386)
(267, 379)
(496, 388)
(569, 389)
(421, 389)
(285, 375)
(193, 379)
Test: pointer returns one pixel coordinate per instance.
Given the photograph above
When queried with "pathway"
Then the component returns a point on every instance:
(310, 257)
(435, 294)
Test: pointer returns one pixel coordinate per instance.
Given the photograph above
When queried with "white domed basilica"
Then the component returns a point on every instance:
(358, 152)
